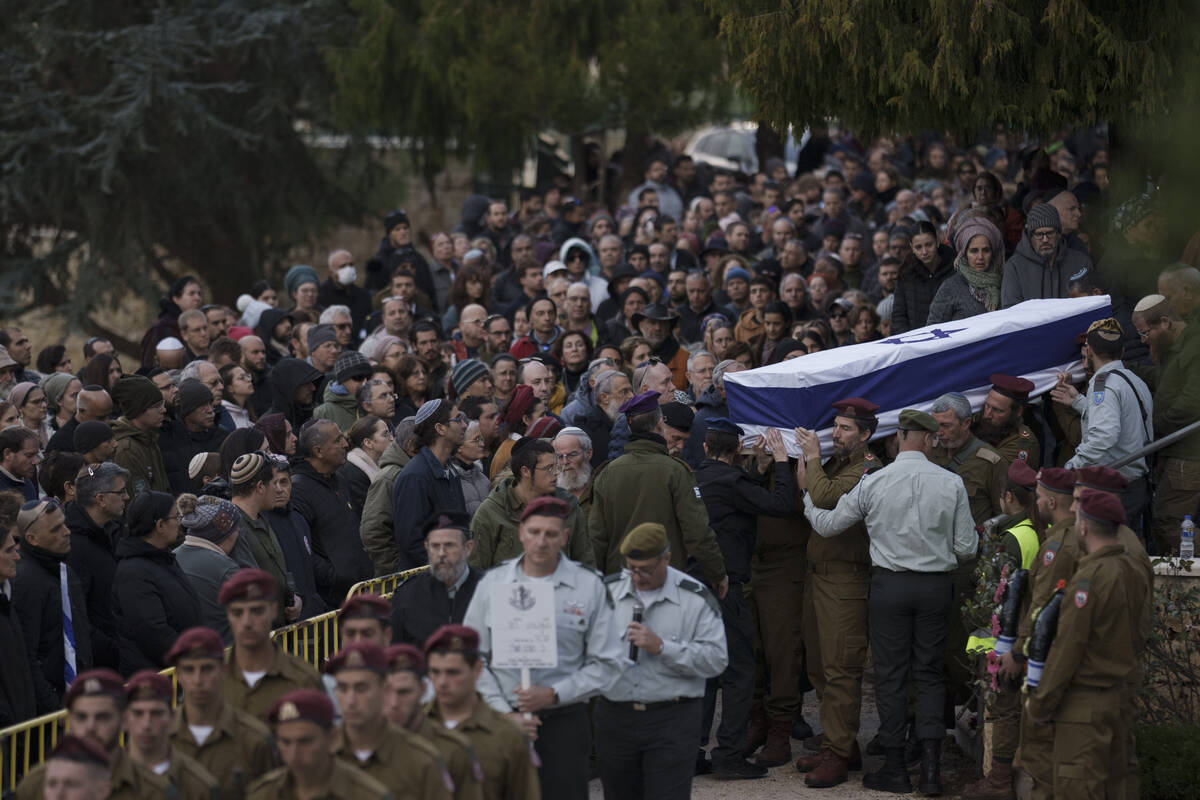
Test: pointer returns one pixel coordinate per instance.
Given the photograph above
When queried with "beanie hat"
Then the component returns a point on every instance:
(393, 219)
(735, 273)
(319, 335)
(297, 275)
(213, 519)
(1043, 216)
(90, 435)
(351, 364)
(251, 311)
(466, 373)
(55, 385)
(192, 395)
(136, 394)
(519, 404)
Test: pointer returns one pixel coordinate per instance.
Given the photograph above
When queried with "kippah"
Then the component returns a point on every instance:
(196, 465)
(1108, 329)
(1148, 302)
(169, 343)
(428, 409)
(246, 467)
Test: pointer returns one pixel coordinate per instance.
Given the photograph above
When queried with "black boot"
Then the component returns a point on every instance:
(931, 767)
(912, 748)
(892, 776)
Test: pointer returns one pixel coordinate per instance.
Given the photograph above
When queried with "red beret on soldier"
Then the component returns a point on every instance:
(1101, 506)
(198, 642)
(359, 655)
(147, 684)
(247, 585)
(1057, 480)
(1106, 479)
(94, 683)
(1010, 386)
(81, 751)
(1022, 474)
(405, 658)
(453, 639)
(309, 705)
(366, 606)
(856, 408)
(545, 507)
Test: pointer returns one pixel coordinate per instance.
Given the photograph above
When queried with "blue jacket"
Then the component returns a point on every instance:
(422, 487)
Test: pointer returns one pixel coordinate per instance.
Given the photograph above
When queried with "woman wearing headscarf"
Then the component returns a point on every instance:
(974, 288)
(62, 392)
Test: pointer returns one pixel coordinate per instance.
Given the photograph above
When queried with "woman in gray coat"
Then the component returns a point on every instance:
(471, 475)
(974, 288)
(212, 527)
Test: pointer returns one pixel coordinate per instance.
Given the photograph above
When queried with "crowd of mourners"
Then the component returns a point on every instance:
(561, 357)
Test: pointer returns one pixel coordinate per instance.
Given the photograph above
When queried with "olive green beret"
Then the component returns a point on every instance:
(913, 420)
(648, 540)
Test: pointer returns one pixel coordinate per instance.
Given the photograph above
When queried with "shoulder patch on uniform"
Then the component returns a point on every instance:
(1024, 432)
(1098, 388)
(681, 461)
(696, 489)
(700, 589)
(988, 455)
(616, 576)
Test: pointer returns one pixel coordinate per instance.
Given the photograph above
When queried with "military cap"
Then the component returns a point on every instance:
(247, 584)
(366, 606)
(147, 684)
(545, 507)
(95, 683)
(678, 416)
(198, 642)
(1010, 386)
(1022, 474)
(723, 425)
(446, 520)
(1106, 479)
(643, 403)
(310, 705)
(81, 751)
(855, 408)
(405, 658)
(360, 655)
(1058, 480)
(1101, 506)
(453, 639)
(913, 420)
(648, 540)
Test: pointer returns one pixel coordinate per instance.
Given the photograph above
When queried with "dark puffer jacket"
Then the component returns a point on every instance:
(916, 289)
(338, 556)
(94, 559)
(153, 601)
(288, 375)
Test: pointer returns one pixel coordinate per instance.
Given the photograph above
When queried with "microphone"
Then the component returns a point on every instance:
(638, 610)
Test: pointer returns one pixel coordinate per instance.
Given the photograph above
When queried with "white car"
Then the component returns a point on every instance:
(732, 147)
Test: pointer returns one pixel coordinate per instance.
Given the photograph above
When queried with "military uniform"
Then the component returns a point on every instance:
(647, 485)
(237, 751)
(648, 722)
(285, 673)
(457, 754)
(1020, 444)
(1092, 654)
(404, 762)
(494, 528)
(346, 783)
(503, 751)
(835, 607)
(130, 781)
(1177, 404)
(191, 780)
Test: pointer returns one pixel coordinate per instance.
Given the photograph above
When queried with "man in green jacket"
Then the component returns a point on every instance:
(136, 432)
(494, 526)
(376, 527)
(340, 401)
(647, 485)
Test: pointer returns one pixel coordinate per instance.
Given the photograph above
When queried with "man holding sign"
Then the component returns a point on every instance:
(548, 645)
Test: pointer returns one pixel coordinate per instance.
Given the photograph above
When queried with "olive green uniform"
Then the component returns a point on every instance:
(1176, 405)
(405, 763)
(503, 751)
(346, 783)
(130, 781)
(1141, 584)
(1092, 655)
(191, 780)
(1020, 444)
(284, 674)
(1055, 561)
(236, 752)
(458, 756)
(835, 608)
(494, 528)
(647, 485)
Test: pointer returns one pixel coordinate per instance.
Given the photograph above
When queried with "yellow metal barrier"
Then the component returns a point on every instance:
(27, 744)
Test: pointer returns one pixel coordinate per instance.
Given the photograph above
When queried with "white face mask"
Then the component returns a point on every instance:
(347, 275)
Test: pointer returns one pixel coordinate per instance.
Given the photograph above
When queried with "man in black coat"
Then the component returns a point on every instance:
(93, 403)
(320, 497)
(193, 432)
(37, 596)
(733, 501)
(94, 519)
(440, 595)
(17, 701)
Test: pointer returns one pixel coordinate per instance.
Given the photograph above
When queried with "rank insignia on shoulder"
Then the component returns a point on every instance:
(1025, 433)
(1048, 558)
(1097, 397)
(696, 489)
(1081, 599)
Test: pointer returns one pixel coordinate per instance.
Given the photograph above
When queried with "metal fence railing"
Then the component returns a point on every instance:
(27, 744)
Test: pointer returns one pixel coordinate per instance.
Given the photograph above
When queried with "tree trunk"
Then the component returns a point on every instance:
(633, 159)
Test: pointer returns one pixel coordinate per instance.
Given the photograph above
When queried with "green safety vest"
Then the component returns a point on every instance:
(1027, 538)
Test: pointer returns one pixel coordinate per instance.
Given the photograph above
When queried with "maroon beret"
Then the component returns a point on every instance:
(544, 428)
(366, 606)
(519, 404)
(310, 705)
(548, 506)
(1020, 473)
(1106, 479)
(148, 684)
(246, 585)
(1010, 386)
(1057, 480)
(453, 639)
(81, 751)
(198, 642)
(855, 408)
(360, 655)
(405, 658)
(96, 682)
(1101, 506)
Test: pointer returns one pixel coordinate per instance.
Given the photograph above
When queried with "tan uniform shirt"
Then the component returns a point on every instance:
(983, 474)
(130, 781)
(405, 763)
(190, 779)
(284, 674)
(347, 783)
(1055, 561)
(1021, 444)
(826, 483)
(236, 752)
(503, 752)
(459, 756)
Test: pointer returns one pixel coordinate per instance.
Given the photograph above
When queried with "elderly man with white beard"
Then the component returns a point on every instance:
(573, 452)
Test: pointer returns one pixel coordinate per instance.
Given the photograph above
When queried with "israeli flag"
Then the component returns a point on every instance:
(1034, 339)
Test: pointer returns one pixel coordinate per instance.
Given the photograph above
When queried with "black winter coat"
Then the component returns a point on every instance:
(64, 438)
(17, 699)
(916, 289)
(179, 446)
(596, 424)
(37, 597)
(154, 602)
(734, 500)
(94, 559)
(421, 605)
(291, 531)
(285, 378)
(339, 559)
